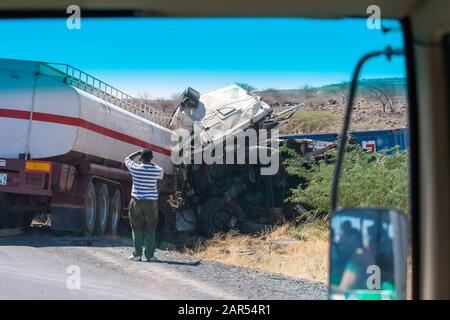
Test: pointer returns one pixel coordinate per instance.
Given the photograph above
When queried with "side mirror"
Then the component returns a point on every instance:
(368, 255)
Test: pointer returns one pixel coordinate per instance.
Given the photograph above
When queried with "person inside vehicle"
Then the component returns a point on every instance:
(356, 273)
(349, 241)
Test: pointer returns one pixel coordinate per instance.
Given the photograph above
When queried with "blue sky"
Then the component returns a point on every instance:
(162, 56)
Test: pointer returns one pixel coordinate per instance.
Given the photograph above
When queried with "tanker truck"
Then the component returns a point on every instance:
(64, 135)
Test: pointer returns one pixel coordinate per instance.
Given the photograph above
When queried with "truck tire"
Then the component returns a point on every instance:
(90, 209)
(115, 212)
(101, 225)
(219, 215)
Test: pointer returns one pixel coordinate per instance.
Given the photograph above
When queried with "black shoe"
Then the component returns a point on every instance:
(134, 258)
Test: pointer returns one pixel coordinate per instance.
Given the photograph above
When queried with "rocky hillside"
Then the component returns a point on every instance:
(380, 104)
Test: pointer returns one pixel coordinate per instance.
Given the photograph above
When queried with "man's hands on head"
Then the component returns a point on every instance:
(135, 154)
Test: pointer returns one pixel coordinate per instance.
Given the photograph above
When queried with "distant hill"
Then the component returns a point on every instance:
(364, 84)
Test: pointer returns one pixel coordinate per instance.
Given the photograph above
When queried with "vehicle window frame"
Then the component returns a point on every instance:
(414, 164)
(414, 176)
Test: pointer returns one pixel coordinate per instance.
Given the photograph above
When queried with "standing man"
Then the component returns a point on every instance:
(144, 203)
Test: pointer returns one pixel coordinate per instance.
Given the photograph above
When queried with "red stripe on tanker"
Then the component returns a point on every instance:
(38, 116)
(70, 121)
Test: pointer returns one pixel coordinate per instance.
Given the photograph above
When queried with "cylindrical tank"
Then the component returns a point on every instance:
(43, 116)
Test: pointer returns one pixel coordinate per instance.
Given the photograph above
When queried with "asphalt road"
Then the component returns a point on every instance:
(40, 265)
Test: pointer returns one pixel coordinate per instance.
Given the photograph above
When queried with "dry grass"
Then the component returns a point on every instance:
(310, 122)
(293, 251)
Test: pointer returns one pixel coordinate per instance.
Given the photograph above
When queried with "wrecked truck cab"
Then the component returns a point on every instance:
(218, 188)
(219, 113)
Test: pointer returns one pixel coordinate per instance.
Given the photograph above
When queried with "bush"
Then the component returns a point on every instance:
(367, 180)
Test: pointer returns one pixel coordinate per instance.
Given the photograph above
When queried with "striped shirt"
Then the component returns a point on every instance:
(144, 179)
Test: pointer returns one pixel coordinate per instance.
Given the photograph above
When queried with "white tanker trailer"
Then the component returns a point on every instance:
(63, 137)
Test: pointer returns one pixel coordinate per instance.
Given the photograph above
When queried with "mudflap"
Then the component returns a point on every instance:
(67, 218)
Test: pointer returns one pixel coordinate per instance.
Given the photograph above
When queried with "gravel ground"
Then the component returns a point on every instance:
(251, 283)
(39, 259)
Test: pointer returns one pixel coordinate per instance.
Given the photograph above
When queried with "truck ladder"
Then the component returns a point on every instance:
(92, 85)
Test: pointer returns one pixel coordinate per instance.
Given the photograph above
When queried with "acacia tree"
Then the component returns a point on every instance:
(246, 86)
(385, 96)
(308, 91)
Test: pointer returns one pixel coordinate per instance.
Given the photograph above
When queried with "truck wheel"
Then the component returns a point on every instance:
(90, 209)
(219, 215)
(102, 208)
(115, 212)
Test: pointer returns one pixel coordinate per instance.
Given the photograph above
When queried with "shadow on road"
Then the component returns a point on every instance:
(178, 263)
(42, 236)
